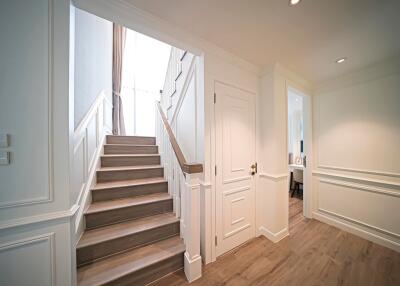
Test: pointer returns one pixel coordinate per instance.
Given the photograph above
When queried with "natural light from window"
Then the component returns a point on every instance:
(143, 74)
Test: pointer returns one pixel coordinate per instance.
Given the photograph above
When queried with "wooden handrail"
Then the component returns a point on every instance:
(188, 168)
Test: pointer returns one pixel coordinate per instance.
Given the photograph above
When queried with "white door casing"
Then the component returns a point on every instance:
(235, 153)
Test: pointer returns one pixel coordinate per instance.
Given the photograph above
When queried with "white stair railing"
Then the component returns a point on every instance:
(183, 185)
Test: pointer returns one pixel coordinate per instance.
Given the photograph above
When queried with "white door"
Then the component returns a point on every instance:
(235, 153)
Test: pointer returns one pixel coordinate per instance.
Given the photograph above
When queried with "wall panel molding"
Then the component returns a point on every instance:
(353, 170)
(361, 187)
(372, 227)
(357, 229)
(390, 184)
(48, 238)
(49, 196)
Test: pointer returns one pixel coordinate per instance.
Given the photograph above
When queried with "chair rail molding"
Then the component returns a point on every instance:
(391, 184)
(274, 177)
(363, 171)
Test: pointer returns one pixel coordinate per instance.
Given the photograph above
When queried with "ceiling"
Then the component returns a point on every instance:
(306, 38)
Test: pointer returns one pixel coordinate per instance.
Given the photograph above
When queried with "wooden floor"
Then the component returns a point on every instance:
(314, 254)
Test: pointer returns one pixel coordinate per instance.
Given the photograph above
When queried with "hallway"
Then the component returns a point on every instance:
(314, 254)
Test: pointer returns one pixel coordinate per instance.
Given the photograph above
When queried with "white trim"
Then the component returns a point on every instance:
(192, 267)
(372, 227)
(49, 238)
(50, 66)
(274, 237)
(361, 187)
(83, 197)
(357, 230)
(274, 177)
(39, 218)
(361, 179)
(371, 172)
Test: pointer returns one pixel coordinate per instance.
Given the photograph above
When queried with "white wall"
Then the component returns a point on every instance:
(356, 140)
(272, 155)
(93, 61)
(35, 208)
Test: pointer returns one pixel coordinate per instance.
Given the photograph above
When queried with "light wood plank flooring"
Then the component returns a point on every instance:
(314, 254)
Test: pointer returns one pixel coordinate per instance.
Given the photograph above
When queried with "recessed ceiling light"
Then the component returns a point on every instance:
(294, 2)
(341, 60)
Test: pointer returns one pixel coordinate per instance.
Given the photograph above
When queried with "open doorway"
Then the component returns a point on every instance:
(297, 109)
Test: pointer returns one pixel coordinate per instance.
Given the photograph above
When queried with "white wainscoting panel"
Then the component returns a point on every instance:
(29, 261)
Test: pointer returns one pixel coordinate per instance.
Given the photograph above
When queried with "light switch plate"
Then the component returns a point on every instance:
(4, 140)
(4, 158)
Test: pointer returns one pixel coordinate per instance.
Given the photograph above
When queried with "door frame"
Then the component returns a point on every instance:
(307, 138)
(214, 162)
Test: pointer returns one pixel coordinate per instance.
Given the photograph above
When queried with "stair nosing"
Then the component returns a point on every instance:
(116, 207)
(129, 155)
(129, 183)
(129, 168)
(135, 268)
(134, 145)
(167, 220)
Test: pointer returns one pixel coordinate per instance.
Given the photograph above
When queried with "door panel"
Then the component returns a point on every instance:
(235, 153)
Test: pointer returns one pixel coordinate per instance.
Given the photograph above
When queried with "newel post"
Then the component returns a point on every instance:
(192, 227)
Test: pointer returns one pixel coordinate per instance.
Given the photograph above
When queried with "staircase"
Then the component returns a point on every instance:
(132, 235)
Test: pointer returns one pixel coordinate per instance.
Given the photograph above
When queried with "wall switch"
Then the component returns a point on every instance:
(4, 158)
(4, 142)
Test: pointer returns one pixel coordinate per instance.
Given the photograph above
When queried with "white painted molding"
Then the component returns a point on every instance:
(48, 237)
(182, 95)
(83, 199)
(39, 218)
(361, 187)
(352, 170)
(274, 237)
(274, 177)
(361, 179)
(356, 230)
(192, 267)
(205, 184)
(49, 197)
(354, 221)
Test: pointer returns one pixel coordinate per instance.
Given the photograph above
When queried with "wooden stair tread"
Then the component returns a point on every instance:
(126, 202)
(133, 145)
(129, 155)
(127, 168)
(128, 183)
(119, 265)
(113, 231)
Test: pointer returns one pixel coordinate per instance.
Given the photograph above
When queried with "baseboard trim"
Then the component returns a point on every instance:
(192, 267)
(357, 230)
(274, 237)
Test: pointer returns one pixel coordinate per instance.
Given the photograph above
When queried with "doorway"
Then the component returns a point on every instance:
(235, 167)
(299, 142)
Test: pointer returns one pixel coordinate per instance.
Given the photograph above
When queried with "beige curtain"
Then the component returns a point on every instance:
(119, 35)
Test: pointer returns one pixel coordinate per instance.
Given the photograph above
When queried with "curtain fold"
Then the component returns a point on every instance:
(119, 36)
